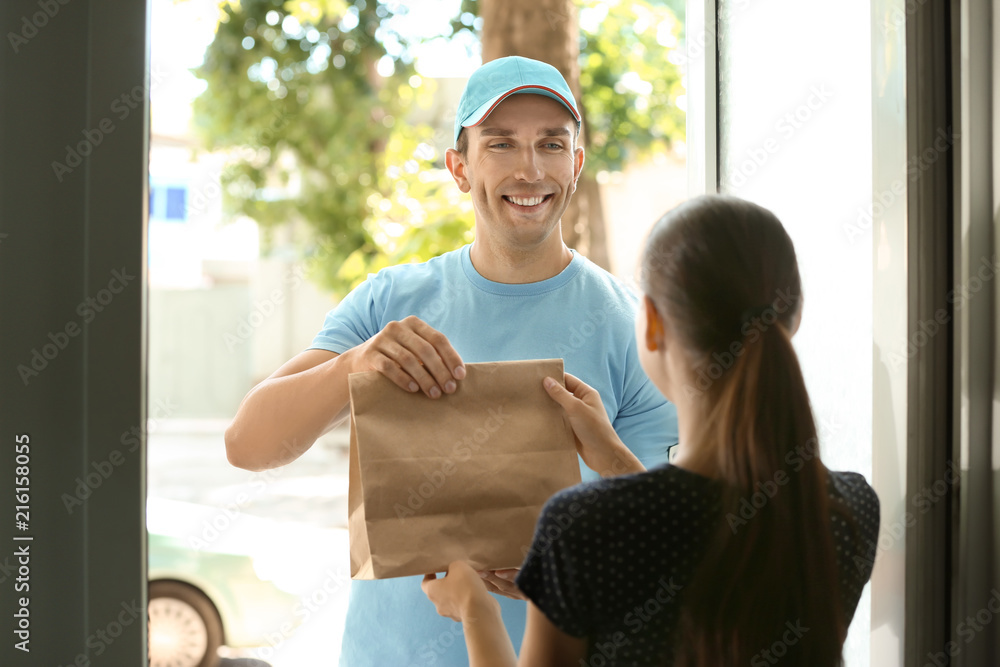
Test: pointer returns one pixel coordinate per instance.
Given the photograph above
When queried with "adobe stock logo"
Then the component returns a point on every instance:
(30, 27)
(60, 340)
(462, 451)
(711, 369)
(793, 120)
(121, 107)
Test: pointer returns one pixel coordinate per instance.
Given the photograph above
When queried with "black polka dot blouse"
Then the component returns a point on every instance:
(609, 558)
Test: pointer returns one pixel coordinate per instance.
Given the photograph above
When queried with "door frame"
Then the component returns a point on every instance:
(73, 197)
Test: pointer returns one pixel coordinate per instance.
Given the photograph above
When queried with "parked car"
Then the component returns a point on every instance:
(205, 584)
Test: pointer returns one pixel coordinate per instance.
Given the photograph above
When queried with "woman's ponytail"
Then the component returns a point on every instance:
(728, 282)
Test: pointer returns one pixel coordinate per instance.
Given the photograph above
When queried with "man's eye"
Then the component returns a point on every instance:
(553, 146)
(501, 144)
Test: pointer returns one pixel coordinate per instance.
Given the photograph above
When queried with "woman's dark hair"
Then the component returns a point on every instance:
(722, 273)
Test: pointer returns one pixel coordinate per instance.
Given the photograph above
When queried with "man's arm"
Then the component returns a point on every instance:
(282, 417)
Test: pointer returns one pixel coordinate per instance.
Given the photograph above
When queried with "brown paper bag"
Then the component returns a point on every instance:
(462, 477)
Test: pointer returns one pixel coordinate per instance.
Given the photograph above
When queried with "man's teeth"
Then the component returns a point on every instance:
(527, 201)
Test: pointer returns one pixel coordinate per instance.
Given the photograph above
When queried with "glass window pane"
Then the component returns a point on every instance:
(795, 136)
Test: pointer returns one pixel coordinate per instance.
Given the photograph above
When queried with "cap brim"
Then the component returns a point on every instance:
(484, 110)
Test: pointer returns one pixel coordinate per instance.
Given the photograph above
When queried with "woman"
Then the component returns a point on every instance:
(745, 550)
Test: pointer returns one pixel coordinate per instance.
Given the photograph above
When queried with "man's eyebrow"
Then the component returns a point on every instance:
(496, 132)
(561, 131)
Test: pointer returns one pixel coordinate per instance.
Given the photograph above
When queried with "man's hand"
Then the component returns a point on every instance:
(501, 582)
(596, 441)
(413, 355)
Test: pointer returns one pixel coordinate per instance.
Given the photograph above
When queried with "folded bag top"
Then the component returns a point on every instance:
(461, 477)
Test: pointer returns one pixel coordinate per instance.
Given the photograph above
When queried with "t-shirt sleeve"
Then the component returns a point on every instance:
(855, 538)
(646, 421)
(353, 321)
(551, 575)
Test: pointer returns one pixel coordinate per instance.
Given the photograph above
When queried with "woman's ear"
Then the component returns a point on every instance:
(654, 326)
(797, 318)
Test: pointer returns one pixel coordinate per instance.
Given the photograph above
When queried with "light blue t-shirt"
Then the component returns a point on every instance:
(583, 315)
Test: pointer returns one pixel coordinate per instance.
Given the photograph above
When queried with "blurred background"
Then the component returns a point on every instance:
(296, 146)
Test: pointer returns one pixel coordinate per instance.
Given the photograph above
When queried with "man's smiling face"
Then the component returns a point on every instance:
(521, 169)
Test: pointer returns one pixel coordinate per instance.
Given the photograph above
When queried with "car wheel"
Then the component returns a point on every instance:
(184, 626)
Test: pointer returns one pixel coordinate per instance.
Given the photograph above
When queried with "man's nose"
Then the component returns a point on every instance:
(528, 168)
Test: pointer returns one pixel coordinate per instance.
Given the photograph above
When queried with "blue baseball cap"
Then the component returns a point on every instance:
(498, 79)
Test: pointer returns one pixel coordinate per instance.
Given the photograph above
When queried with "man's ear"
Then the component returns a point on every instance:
(577, 165)
(456, 165)
(654, 326)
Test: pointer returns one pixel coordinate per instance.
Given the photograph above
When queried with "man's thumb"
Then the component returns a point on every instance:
(556, 390)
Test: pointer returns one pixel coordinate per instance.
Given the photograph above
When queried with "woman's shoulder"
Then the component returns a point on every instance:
(853, 488)
(854, 492)
(664, 487)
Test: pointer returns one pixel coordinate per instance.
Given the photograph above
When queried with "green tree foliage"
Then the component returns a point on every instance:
(319, 137)
(629, 86)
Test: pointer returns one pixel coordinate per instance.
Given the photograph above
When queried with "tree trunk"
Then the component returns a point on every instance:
(549, 30)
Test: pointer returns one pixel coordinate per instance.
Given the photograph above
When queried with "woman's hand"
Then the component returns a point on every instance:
(460, 594)
(596, 441)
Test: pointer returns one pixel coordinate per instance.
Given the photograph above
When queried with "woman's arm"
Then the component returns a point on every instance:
(486, 638)
(462, 596)
(596, 441)
(546, 645)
